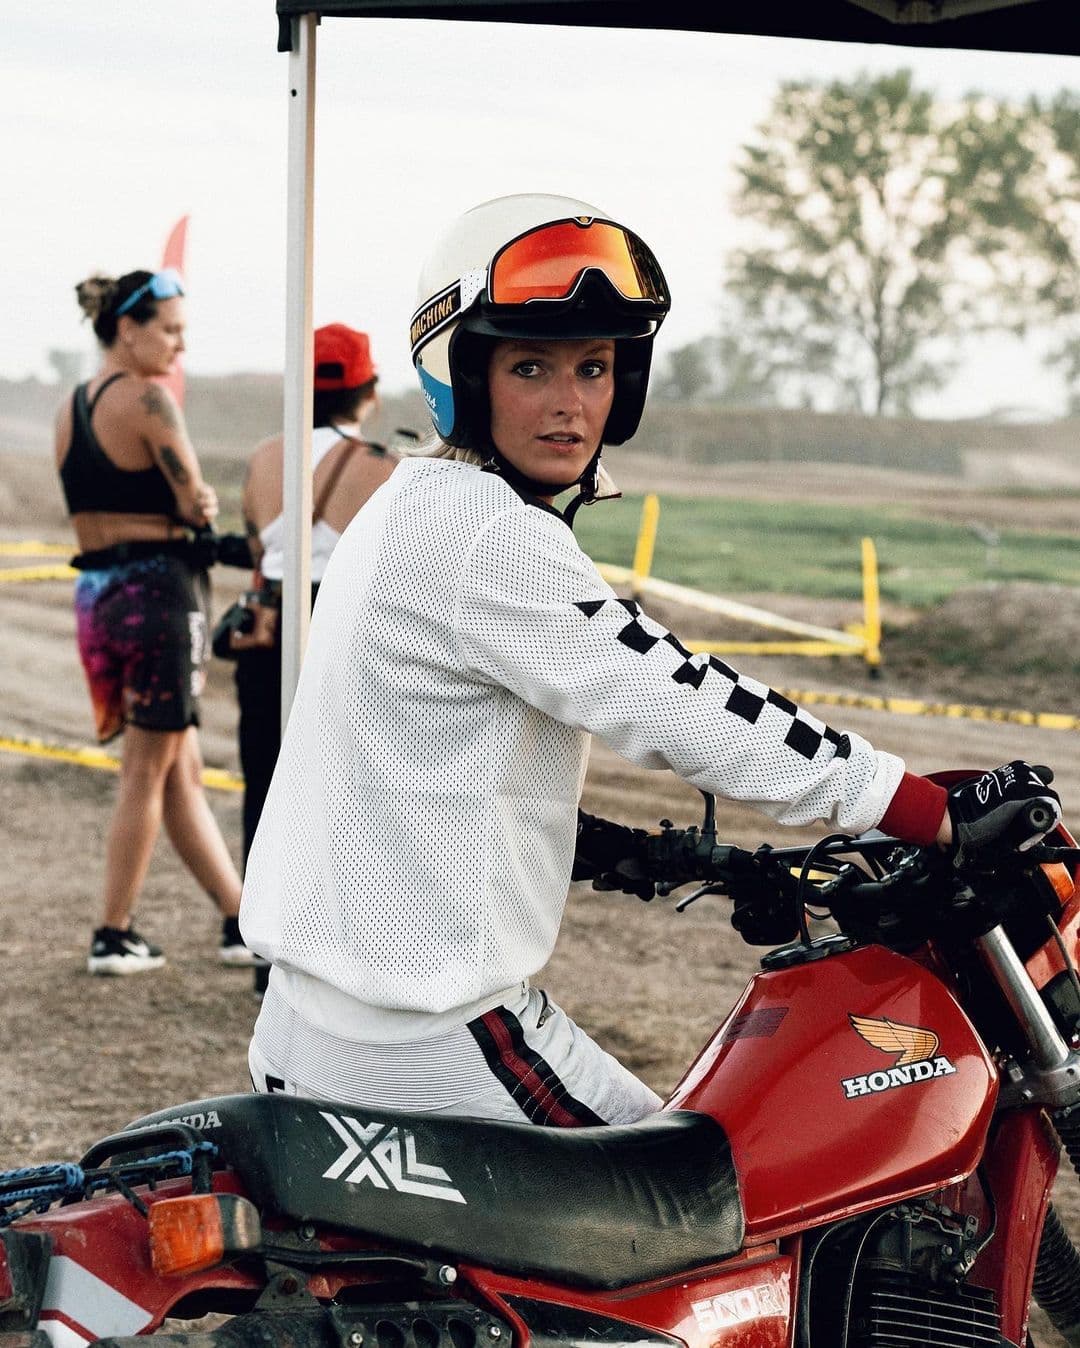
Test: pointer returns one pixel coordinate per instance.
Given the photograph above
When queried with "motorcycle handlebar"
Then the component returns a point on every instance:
(1038, 816)
(892, 874)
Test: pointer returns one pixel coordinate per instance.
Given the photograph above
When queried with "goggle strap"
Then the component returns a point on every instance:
(433, 316)
(473, 283)
(133, 299)
(163, 285)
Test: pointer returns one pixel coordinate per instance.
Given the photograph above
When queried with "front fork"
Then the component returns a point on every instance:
(1051, 1079)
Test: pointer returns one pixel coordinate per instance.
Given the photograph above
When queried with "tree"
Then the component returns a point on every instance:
(888, 226)
(687, 372)
(723, 368)
(1055, 175)
(68, 365)
(1066, 357)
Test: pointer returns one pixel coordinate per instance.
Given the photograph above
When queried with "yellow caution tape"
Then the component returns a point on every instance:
(31, 548)
(20, 573)
(768, 648)
(217, 779)
(907, 706)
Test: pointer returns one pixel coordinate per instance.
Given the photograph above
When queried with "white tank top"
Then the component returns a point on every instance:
(323, 537)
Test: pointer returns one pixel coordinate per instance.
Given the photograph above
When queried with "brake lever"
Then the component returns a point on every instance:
(699, 893)
(1048, 852)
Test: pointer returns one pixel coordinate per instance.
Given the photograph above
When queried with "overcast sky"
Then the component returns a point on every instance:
(119, 116)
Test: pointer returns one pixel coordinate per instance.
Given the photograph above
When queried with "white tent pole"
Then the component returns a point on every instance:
(296, 589)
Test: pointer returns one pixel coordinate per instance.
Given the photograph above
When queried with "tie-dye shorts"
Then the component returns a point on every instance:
(142, 631)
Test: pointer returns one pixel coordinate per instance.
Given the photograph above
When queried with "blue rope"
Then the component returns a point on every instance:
(183, 1160)
(67, 1180)
(53, 1182)
(65, 1171)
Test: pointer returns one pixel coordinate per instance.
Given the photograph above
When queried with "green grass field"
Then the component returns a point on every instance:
(732, 547)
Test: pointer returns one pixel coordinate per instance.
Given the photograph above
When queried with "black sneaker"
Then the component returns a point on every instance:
(232, 949)
(115, 951)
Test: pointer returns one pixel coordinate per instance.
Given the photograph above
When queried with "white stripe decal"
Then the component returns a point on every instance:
(61, 1335)
(89, 1301)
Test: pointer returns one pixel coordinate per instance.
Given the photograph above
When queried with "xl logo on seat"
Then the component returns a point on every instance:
(385, 1155)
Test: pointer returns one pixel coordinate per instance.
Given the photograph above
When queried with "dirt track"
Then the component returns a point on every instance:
(84, 1056)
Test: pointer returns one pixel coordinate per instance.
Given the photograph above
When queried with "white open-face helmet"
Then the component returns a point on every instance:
(545, 267)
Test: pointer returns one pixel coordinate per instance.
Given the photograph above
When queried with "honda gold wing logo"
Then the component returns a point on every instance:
(915, 1049)
(385, 1156)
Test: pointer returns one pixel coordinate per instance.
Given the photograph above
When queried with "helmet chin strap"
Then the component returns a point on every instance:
(587, 480)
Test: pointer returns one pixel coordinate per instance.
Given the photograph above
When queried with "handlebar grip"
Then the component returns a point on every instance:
(1038, 816)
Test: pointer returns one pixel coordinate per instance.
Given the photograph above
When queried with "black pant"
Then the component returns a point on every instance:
(258, 691)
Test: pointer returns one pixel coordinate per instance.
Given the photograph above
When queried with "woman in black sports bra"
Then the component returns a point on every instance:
(134, 491)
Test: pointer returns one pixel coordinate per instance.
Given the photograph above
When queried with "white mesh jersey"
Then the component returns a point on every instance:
(415, 849)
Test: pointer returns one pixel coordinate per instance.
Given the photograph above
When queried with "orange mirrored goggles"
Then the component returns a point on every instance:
(549, 261)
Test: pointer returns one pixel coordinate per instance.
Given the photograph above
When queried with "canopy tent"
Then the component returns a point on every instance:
(993, 25)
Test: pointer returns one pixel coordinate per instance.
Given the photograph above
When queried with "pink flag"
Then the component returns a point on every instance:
(173, 256)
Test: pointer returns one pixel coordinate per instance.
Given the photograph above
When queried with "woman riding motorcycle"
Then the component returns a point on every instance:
(409, 874)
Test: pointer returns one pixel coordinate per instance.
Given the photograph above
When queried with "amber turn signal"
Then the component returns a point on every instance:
(197, 1231)
(1060, 881)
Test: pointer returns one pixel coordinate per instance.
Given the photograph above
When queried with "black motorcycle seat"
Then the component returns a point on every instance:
(599, 1207)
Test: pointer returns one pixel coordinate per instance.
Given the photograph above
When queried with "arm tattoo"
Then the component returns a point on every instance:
(158, 405)
(251, 528)
(171, 460)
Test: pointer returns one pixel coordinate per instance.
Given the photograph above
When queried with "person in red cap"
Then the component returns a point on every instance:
(346, 469)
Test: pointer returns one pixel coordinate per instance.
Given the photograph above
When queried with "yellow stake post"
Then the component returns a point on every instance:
(871, 607)
(646, 542)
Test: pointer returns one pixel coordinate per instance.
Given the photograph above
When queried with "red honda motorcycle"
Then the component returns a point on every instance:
(861, 1156)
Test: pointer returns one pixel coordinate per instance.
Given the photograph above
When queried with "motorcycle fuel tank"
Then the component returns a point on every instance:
(843, 1083)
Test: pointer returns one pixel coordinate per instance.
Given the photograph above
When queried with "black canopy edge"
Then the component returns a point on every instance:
(1047, 26)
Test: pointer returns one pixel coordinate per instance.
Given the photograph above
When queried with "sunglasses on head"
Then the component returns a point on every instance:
(163, 285)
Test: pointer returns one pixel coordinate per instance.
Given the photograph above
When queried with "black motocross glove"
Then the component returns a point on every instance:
(612, 856)
(1007, 810)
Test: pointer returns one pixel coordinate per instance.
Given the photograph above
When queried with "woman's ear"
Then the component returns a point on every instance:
(125, 329)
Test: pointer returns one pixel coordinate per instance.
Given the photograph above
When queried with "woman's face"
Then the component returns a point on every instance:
(154, 346)
(549, 405)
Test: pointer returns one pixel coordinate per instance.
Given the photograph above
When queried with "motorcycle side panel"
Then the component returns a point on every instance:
(844, 1083)
(100, 1283)
(747, 1302)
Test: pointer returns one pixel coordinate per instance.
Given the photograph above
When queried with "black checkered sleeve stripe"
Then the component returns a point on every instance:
(743, 698)
(536, 618)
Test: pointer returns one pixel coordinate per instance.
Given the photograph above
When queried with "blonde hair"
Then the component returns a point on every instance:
(433, 446)
(95, 295)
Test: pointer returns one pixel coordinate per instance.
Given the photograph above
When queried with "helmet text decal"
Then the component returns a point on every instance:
(434, 315)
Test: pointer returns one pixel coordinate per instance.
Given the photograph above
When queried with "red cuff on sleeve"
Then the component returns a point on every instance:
(915, 811)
